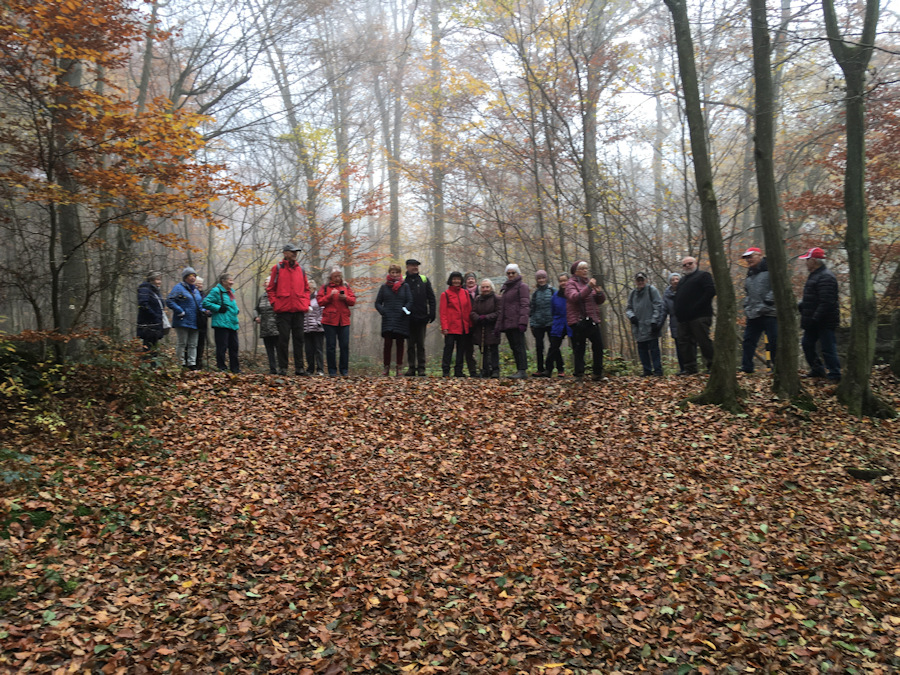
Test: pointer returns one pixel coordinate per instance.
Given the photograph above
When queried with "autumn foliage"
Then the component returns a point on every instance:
(424, 526)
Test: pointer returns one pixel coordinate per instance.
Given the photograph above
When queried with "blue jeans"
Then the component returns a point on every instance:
(651, 360)
(752, 332)
(826, 339)
(335, 335)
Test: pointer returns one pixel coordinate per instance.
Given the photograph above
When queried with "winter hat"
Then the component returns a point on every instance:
(575, 266)
(673, 275)
(470, 275)
(814, 252)
(412, 261)
(512, 267)
(540, 273)
(187, 271)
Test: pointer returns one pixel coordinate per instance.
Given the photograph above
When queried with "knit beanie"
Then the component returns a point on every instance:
(540, 273)
(186, 271)
(575, 266)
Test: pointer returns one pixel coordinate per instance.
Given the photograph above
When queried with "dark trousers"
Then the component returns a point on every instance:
(290, 331)
(651, 359)
(694, 333)
(271, 343)
(580, 337)
(337, 336)
(415, 348)
(490, 361)
(678, 356)
(825, 338)
(752, 332)
(539, 332)
(315, 352)
(389, 341)
(458, 342)
(517, 344)
(470, 354)
(554, 355)
(201, 347)
(227, 341)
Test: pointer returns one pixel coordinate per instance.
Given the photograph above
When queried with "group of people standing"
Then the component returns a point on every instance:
(294, 312)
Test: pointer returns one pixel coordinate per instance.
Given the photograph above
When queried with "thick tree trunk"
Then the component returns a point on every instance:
(786, 381)
(854, 390)
(721, 388)
(437, 147)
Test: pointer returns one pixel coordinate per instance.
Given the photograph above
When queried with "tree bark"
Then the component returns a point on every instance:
(721, 388)
(854, 390)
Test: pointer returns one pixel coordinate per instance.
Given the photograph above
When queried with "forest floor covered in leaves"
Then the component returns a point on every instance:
(262, 524)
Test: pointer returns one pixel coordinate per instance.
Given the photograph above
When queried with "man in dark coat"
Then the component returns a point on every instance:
(820, 316)
(423, 312)
(693, 309)
(759, 307)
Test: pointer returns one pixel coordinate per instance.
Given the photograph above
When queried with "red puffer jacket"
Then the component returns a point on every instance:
(335, 308)
(288, 288)
(456, 311)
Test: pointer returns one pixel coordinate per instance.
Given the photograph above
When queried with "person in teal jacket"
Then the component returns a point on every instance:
(223, 305)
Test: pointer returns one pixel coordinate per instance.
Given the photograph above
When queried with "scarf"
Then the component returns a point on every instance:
(394, 282)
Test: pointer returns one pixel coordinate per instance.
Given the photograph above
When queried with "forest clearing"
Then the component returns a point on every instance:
(265, 524)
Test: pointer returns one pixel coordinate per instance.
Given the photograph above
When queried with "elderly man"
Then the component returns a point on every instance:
(645, 312)
(693, 309)
(759, 307)
(288, 291)
(820, 316)
(422, 313)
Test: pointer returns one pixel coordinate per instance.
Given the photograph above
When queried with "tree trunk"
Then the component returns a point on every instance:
(437, 147)
(854, 390)
(721, 388)
(786, 381)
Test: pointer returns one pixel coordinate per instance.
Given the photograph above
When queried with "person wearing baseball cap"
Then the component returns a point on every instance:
(645, 312)
(819, 317)
(288, 291)
(422, 313)
(759, 307)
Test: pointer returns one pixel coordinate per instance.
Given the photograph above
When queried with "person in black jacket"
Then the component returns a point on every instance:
(693, 309)
(819, 316)
(393, 303)
(152, 323)
(422, 313)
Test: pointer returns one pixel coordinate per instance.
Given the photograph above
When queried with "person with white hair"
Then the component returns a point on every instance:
(512, 320)
(485, 308)
(336, 298)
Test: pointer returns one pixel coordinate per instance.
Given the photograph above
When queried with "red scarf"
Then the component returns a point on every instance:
(394, 282)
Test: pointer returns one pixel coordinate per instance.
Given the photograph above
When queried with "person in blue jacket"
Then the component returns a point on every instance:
(559, 330)
(186, 304)
(223, 305)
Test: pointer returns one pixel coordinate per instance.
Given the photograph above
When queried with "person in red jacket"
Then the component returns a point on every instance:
(288, 291)
(456, 321)
(336, 298)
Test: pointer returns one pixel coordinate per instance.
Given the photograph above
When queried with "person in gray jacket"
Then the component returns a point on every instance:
(645, 312)
(540, 313)
(268, 328)
(759, 306)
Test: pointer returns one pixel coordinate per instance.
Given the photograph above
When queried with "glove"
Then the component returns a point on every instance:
(222, 309)
(633, 320)
(523, 327)
(179, 316)
(653, 327)
(430, 319)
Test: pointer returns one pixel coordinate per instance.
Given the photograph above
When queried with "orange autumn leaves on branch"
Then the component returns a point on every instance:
(67, 117)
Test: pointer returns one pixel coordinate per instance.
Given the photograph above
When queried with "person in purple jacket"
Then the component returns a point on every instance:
(583, 300)
(558, 331)
(515, 300)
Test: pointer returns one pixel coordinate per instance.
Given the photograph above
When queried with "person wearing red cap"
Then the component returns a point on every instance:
(820, 316)
(759, 307)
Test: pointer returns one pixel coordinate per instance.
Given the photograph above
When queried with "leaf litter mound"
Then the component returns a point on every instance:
(265, 524)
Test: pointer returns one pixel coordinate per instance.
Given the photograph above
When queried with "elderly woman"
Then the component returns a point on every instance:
(223, 305)
(152, 322)
(314, 335)
(394, 303)
(515, 299)
(336, 298)
(184, 300)
(456, 315)
(268, 328)
(485, 309)
(583, 300)
(669, 312)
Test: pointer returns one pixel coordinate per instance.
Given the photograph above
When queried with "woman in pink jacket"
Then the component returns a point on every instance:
(583, 300)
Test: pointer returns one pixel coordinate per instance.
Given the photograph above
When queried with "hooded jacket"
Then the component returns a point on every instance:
(288, 287)
(185, 302)
(217, 298)
(456, 310)
(646, 304)
(514, 302)
(759, 299)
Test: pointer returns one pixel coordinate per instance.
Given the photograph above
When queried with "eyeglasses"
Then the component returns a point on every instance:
(687, 264)
(511, 274)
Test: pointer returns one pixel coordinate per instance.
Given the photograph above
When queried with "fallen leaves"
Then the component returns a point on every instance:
(447, 526)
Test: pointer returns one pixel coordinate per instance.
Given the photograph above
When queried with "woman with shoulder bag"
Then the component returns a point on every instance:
(223, 305)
